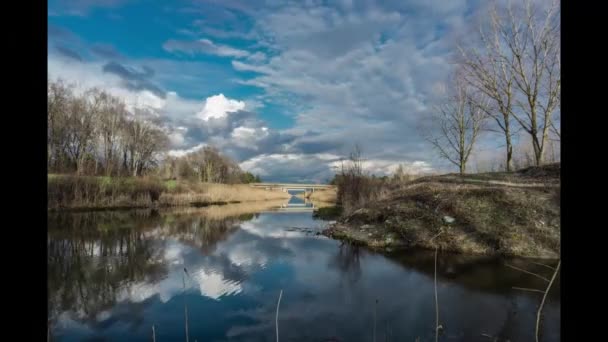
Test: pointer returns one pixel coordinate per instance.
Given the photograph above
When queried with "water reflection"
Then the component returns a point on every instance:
(112, 275)
(296, 203)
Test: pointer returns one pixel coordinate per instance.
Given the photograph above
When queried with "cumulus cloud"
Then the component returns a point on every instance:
(181, 153)
(204, 46)
(247, 137)
(218, 106)
(320, 167)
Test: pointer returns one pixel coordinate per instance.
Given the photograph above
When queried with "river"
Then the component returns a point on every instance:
(113, 276)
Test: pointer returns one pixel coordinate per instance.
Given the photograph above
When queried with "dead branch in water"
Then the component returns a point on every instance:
(540, 264)
(437, 326)
(532, 273)
(527, 289)
(542, 303)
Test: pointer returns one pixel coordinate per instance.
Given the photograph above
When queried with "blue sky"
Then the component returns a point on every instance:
(284, 87)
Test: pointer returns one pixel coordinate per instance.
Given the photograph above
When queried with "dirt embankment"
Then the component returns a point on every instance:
(514, 213)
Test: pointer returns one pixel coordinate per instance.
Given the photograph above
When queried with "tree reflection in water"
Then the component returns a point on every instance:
(94, 256)
(347, 261)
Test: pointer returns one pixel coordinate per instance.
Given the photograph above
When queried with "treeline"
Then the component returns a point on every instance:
(91, 132)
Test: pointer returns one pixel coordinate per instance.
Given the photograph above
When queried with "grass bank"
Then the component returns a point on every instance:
(514, 213)
(326, 195)
(87, 192)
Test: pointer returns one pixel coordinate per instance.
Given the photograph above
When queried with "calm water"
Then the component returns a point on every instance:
(113, 275)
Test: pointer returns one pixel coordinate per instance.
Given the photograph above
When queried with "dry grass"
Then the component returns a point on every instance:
(488, 219)
(329, 195)
(67, 191)
(83, 192)
(203, 193)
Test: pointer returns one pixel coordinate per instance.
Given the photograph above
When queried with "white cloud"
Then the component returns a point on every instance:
(218, 106)
(183, 152)
(247, 137)
(203, 46)
(257, 57)
(176, 138)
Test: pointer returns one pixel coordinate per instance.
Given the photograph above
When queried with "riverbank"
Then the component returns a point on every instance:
(70, 192)
(516, 214)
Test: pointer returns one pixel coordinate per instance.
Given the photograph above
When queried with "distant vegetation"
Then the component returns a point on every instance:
(205, 165)
(101, 155)
(92, 133)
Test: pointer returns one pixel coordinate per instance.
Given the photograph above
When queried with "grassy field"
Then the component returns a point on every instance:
(510, 214)
(86, 192)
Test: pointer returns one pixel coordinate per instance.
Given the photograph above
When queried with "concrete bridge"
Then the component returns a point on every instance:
(292, 186)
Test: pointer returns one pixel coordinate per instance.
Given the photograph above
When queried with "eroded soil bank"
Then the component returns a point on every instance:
(514, 214)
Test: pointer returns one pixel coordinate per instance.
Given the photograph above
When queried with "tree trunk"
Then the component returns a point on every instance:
(509, 165)
(538, 151)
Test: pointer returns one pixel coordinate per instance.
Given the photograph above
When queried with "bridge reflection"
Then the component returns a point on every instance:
(297, 204)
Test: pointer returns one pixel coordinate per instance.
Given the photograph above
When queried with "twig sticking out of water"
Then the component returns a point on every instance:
(528, 272)
(153, 334)
(541, 264)
(527, 289)
(542, 303)
(276, 320)
(437, 326)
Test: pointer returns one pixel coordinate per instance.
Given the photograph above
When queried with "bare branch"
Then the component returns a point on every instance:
(528, 272)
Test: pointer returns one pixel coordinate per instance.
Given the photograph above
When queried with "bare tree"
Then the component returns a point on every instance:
(460, 121)
(487, 69)
(59, 96)
(81, 130)
(532, 38)
(82, 124)
(144, 141)
(110, 112)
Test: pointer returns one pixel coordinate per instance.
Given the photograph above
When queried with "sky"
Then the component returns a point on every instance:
(286, 88)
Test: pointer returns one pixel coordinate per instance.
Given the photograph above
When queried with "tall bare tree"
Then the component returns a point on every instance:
(110, 112)
(486, 68)
(532, 36)
(460, 121)
(81, 132)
